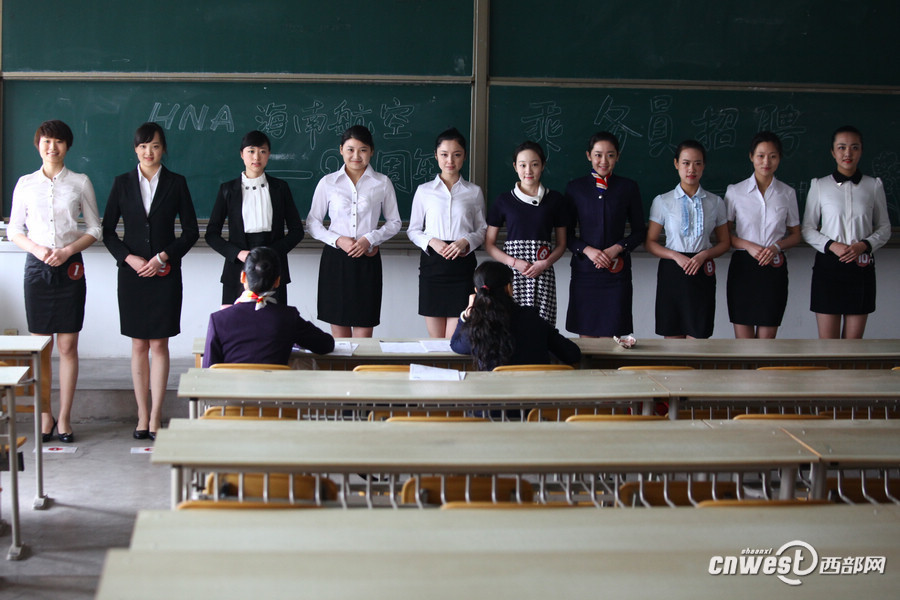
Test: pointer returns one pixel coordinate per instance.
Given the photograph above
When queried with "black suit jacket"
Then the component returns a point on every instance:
(228, 205)
(148, 234)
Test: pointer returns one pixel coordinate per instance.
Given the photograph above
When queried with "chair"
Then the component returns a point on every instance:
(250, 366)
(655, 368)
(436, 419)
(215, 504)
(243, 411)
(534, 368)
(269, 486)
(438, 490)
(387, 413)
(561, 414)
(675, 493)
(793, 368)
(610, 418)
(381, 368)
(757, 502)
(856, 490)
(776, 417)
(512, 505)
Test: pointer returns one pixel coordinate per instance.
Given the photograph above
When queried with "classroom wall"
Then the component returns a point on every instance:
(399, 319)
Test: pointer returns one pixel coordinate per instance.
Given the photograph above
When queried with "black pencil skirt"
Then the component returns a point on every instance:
(349, 289)
(685, 304)
(756, 295)
(842, 288)
(54, 296)
(445, 285)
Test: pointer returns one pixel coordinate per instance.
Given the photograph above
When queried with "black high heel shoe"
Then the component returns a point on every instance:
(141, 434)
(46, 438)
(66, 438)
(152, 435)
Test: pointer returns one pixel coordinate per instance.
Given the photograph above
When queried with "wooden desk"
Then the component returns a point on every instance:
(10, 377)
(475, 553)
(31, 347)
(467, 448)
(771, 389)
(742, 354)
(339, 391)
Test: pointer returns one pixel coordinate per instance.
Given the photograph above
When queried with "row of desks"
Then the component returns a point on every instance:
(603, 353)
(546, 553)
(522, 449)
(358, 392)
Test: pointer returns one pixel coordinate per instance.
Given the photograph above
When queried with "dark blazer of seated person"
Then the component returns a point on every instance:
(256, 329)
(497, 331)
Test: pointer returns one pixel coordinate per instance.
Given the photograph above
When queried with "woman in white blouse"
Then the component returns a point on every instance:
(764, 222)
(686, 276)
(44, 222)
(354, 197)
(846, 220)
(258, 208)
(447, 223)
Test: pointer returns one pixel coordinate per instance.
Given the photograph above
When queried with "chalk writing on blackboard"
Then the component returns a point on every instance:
(198, 120)
(543, 124)
(661, 126)
(611, 117)
(717, 128)
(396, 116)
(783, 122)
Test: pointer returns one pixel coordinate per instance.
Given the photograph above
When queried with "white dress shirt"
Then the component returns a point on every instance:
(46, 210)
(354, 210)
(148, 188)
(256, 204)
(761, 219)
(667, 210)
(846, 213)
(447, 215)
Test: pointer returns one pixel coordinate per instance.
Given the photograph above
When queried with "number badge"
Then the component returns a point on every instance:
(617, 265)
(864, 260)
(778, 260)
(709, 267)
(165, 270)
(542, 253)
(76, 271)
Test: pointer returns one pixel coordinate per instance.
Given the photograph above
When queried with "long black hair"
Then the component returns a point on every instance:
(489, 323)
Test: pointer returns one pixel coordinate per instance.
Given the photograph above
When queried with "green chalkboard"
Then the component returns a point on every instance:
(390, 37)
(204, 123)
(650, 123)
(798, 41)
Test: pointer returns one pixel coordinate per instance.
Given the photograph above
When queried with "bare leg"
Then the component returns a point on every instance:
(675, 337)
(46, 382)
(766, 333)
(854, 326)
(140, 378)
(451, 327)
(744, 331)
(829, 326)
(363, 332)
(159, 377)
(341, 331)
(437, 326)
(67, 345)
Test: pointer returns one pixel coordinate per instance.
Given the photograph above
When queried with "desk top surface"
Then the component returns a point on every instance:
(337, 385)
(12, 375)
(739, 383)
(850, 443)
(350, 447)
(496, 530)
(23, 343)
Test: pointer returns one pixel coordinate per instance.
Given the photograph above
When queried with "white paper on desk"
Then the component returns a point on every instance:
(340, 349)
(436, 345)
(142, 450)
(423, 373)
(401, 347)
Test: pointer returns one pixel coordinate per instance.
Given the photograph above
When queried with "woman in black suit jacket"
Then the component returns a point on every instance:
(258, 207)
(148, 200)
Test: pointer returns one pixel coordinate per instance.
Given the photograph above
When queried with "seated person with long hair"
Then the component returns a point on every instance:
(256, 329)
(496, 331)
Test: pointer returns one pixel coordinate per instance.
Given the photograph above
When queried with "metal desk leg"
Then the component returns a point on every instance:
(788, 477)
(177, 485)
(16, 547)
(192, 408)
(673, 408)
(817, 480)
(41, 501)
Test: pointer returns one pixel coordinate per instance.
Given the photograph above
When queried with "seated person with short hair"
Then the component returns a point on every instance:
(256, 329)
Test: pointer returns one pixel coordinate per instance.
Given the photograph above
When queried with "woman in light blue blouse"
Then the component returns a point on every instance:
(686, 276)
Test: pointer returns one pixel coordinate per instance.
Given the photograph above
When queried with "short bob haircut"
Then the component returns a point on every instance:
(145, 133)
(529, 145)
(262, 268)
(255, 138)
(359, 133)
(54, 129)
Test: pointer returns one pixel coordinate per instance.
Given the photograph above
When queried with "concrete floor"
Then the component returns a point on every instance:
(96, 492)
